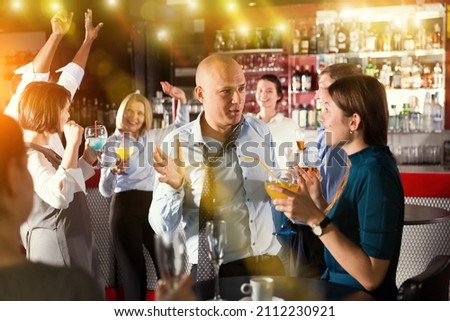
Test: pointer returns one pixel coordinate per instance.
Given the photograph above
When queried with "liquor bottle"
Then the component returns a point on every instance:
(398, 39)
(318, 112)
(303, 119)
(321, 42)
(75, 111)
(219, 42)
(386, 39)
(427, 77)
(314, 78)
(416, 117)
(427, 114)
(438, 77)
(421, 39)
(371, 39)
(259, 40)
(297, 79)
(112, 116)
(354, 37)
(332, 39)
(393, 119)
(304, 42)
(385, 74)
(437, 112)
(397, 76)
(313, 40)
(100, 110)
(159, 103)
(437, 37)
(342, 38)
(404, 118)
(106, 110)
(306, 79)
(295, 115)
(84, 115)
(311, 115)
(231, 42)
(416, 74)
(296, 42)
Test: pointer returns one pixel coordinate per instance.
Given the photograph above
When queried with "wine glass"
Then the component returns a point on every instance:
(286, 178)
(216, 235)
(97, 136)
(171, 256)
(124, 152)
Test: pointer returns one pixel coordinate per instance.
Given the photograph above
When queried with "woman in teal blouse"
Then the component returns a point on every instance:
(361, 228)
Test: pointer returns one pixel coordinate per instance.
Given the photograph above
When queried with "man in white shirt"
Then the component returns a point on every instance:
(240, 197)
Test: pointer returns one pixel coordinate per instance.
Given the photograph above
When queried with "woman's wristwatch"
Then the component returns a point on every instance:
(319, 229)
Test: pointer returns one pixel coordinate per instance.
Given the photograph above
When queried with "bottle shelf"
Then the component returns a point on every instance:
(386, 54)
(252, 51)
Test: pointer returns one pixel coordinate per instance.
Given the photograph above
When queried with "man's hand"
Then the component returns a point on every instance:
(172, 170)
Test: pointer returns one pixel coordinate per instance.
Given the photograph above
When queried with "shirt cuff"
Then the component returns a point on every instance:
(74, 70)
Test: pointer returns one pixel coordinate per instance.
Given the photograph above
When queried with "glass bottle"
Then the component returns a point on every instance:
(437, 37)
(313, 40)
(438, 77)
(342, 38)
(437, 112)
(427, 113)
(296, 42)
(306, 79)
(321, 45)
(231, 42)
(219, 42)
(393, 119)
(404, 118)
(304, 42)
(296, 79)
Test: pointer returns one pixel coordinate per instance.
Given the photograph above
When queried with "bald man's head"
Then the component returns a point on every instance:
(215, 64)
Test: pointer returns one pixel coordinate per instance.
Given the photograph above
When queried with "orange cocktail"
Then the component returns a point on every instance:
(275, 194)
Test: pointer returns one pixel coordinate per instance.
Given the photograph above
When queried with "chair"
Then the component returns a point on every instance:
(430, 285)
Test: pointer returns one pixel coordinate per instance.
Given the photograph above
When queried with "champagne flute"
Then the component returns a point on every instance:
(171, 256)
(286, 178)
(216, 235)
(97, 136)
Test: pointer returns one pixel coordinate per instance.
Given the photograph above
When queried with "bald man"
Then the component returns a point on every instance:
(240, 198)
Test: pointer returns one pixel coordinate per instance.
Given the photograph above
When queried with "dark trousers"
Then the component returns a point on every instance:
(307, 253)
(130, 230)
(254, 265)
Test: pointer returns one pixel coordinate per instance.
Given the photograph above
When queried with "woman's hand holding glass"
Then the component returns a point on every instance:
(298, 205)
(96, 137)
(286, 179)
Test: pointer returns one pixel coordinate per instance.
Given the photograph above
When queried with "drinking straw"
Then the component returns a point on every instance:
(123, 139)
(95, 128)
(263, 165)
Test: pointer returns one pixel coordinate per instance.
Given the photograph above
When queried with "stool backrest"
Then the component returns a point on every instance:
(431, 284)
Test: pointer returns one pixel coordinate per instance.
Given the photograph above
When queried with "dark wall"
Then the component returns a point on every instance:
(108, 73)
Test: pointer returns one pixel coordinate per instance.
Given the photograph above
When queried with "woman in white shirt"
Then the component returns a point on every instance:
(131, 187)
(269, 93)
(59, 230)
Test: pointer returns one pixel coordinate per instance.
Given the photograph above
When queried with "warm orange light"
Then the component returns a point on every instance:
(112, 3)
(16, 5)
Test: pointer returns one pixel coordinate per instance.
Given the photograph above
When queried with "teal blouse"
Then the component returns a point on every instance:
(370, 212)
